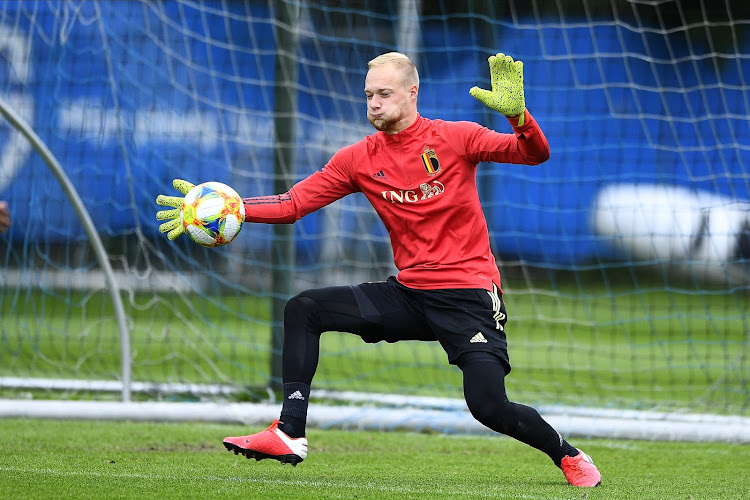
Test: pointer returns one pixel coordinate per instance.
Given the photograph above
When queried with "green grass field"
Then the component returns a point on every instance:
(99, 460)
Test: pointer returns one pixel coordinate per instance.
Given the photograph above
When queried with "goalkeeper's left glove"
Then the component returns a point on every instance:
(506, 95)
(173, 228)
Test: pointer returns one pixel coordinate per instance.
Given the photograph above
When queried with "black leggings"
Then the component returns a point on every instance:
(306, 317)
(313, 312)
(484, 390)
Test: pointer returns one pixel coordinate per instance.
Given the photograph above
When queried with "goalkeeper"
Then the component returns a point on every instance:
(420, 176)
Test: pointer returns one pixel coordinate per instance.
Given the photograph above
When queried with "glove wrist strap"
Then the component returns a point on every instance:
(518, 121)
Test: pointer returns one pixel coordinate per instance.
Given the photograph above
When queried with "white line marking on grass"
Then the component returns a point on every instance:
(294, 482)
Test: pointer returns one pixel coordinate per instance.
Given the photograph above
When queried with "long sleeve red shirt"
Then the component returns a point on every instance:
(422, 183)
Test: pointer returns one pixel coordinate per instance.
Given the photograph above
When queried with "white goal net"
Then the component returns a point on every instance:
(624, 257)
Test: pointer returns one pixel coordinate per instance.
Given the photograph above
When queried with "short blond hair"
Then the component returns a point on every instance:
(401, 62)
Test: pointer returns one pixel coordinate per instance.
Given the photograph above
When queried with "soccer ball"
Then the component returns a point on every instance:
(212, 214)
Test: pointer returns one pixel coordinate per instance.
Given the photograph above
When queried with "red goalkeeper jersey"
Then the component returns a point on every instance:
(422, 183)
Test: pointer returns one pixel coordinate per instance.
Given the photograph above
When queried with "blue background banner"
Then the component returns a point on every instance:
(129, 96)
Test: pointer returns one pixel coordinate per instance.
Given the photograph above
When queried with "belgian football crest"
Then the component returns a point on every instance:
(430, 161)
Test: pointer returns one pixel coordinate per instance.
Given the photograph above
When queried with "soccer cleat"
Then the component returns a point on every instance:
(270, 443)
(581, 471)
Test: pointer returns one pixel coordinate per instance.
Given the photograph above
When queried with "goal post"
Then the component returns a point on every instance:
(625, 257)
(83, 215)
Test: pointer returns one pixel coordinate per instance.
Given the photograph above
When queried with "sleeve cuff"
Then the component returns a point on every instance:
(520, 120)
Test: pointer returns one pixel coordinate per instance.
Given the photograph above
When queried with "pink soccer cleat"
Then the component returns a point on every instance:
(270, 443)
(581, 471)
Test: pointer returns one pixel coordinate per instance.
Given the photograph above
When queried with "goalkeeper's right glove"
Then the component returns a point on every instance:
(173, 228)
(506, 95)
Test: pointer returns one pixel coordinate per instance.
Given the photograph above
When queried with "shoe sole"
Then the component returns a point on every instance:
(284, 459)
(586, 486)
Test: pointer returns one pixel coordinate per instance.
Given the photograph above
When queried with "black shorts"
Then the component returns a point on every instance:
(461, 319)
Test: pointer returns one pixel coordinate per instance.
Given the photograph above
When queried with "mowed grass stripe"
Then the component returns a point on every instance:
(303, 483)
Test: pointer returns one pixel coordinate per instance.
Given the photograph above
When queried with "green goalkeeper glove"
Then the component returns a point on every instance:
(173, 228)
(506, 95)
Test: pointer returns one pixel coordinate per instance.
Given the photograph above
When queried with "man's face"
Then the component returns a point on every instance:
(389, 101)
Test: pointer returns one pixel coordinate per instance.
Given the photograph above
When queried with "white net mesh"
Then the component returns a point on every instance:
(646, 99)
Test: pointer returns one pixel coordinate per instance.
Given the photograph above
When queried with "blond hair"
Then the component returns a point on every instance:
(402, 63)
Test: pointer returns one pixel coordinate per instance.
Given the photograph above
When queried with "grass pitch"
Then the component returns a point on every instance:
(96, 460)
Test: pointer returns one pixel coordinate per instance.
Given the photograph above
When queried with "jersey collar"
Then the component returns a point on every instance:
(407, 134)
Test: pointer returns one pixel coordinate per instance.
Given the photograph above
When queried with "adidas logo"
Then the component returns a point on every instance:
(379, 175)
(478, 338)
(298, 395)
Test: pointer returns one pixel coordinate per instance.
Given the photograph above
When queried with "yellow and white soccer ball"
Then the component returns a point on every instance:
(212, 214)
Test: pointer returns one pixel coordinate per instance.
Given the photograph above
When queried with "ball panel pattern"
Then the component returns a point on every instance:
(212, 214)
